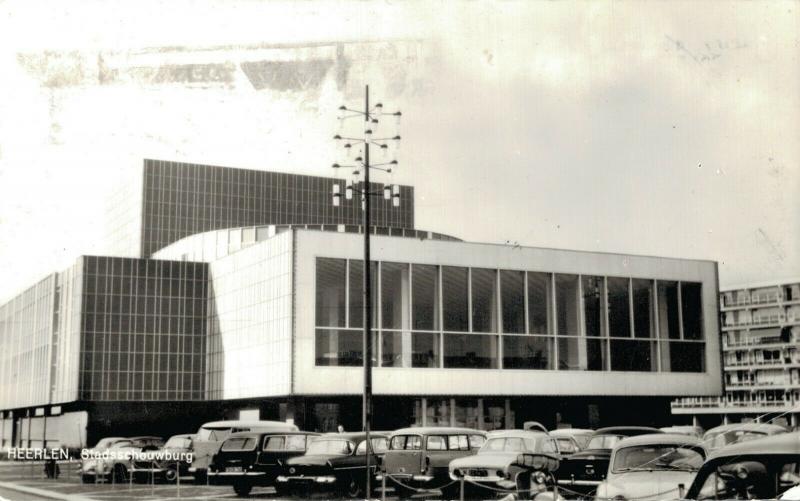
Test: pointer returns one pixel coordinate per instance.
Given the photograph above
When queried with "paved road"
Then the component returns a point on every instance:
(11, 495)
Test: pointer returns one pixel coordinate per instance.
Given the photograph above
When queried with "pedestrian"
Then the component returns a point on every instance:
(340, 429)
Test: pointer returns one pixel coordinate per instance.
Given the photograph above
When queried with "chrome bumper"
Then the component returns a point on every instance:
(326, 479)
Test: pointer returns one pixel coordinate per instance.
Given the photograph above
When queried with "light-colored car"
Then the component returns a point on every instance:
(657, 466)
(727, 434)
(694, 431)
(763, 468)
(496, 466)
(112, 458)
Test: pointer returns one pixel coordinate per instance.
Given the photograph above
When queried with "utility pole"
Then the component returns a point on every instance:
(372, 118)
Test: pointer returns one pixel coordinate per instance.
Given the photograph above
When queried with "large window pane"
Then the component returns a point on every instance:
(356, 292)
(668, 322)
(330, 310)
(512, 292)
(391, 349)
(642, 308)
(593, 298)
(567, 304)
(692, 310)
(425, 297)
(470, 351)
(619, 312)
(339, 347)
(539, 300)
(527, 352)
(454, 298)
(568, 356)
(681, 356)
(484, 300)
(394, 295)
(633, 355)
(425, 349)
(596, 354)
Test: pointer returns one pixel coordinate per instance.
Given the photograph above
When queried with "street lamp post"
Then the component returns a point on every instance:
(372, 118)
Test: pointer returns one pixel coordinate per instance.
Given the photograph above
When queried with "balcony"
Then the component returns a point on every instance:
(709, 405)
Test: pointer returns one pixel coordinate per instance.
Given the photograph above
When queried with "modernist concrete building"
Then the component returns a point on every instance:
(257, 311)
(761, 347)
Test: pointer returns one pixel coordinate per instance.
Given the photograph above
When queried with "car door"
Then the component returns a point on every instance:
(404, 455)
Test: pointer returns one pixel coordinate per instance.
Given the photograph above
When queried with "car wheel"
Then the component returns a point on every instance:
(242, 489)
(354, 489)
(171, 475)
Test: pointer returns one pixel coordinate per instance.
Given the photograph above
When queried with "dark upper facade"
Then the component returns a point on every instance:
(182, 199)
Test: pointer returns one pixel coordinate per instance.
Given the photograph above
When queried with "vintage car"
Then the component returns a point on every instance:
(112, 458)
(580, 435)
(658, 466)
(418, 458)
(210, 436)
(583, 471)
(496, 466)
(763, 468)
(727, 434)
(167, 463)
(694, 431)
(334, 462)
(250, 459)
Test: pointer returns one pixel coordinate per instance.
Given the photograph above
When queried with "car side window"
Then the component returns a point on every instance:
(414, 443)
(398, 443)
(362, 448)
(436, 443)
(476, 441)
(549, 445)
(296, 443)
(274, 443)
(379, 445)
(458, 443)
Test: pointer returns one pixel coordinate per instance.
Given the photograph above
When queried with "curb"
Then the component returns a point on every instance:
(43, 493)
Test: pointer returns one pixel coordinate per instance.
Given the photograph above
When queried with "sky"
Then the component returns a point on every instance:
(656, 128)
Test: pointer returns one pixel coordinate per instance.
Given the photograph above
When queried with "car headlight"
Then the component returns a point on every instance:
(539, 477)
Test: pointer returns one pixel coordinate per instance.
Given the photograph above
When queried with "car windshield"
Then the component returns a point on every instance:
(240, 444)
(178, 443)
(657, 457)
(754, 477)
(723, 438)
(604, 441)
(338, 447)
(509, 444)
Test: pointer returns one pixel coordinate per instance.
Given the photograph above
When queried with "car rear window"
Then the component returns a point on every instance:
(239, 444)
(406, 442)
(458, 443)
(285, 443)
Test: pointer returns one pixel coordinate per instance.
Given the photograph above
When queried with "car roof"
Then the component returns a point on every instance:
(183, 435)
(784, 443)
(269, 432)
(516, 434)
(236, 423)
(437, 430)
(353, 435)
(627, 430)
(568, 432)
(660, 439)
(765, 427)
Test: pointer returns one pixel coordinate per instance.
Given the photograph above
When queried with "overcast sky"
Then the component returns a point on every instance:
(659, 128)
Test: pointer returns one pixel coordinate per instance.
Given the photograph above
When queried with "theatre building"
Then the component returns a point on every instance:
(241, 296)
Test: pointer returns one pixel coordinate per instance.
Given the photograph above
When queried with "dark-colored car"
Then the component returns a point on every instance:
(418, 458)
(763, 468)
(582, 472)
(166, 463)
(334, 462)
(251, 459)
(497, 467)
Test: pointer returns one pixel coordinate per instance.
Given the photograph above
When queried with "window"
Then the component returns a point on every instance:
(619, 314)
(341, 347)
(512, 296)
(593, 299)
(425, 297)
(476, 441)
(470, 351)
(239, 444)
(391, 349)
(568, 356)
(394, 294)
(596, 359)
(454, 298)
(682, 356)
(527, 352)
(633, 355)
(642, 308)
(458, 442)
(567, 304)
(356, 292)
(406, 442)
(378, 445)
(425, 349)
(484, 300)
(669, 324)
(274, 443)
(330, 310)
(692, 310)
(436, 443)
(539, 302)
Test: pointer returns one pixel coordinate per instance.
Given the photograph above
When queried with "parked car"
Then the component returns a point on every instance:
(168, 462)
(210, 436)
(763, 468)
(580, 435)
(419, 457)
(496, 466)
(250, 459)
(583, 471)
(112, 459)
(694, 431)
(334, 462)
(727, 434)
(658, 466)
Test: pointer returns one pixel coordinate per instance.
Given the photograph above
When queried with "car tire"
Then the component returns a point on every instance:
(353, 489)
(242, 489)
(171, 474)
